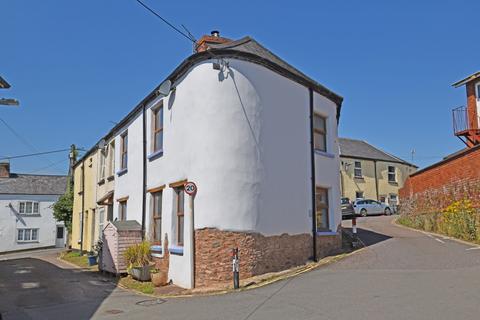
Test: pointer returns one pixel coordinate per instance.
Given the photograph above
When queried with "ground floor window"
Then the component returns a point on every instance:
(122, 210)
(157, 217)
(27, 235)
(321, 208)
(358, 194)
(101, 221)
(180, 204)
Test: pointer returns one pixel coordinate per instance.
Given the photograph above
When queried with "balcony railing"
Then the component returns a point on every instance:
(460, 121)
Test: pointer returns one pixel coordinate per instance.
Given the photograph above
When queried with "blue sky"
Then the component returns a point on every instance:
(77, 65)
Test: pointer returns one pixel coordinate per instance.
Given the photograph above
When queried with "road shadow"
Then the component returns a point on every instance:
(32, 288)
(369, 237)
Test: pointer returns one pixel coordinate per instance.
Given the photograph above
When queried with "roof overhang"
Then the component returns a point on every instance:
(471, 77)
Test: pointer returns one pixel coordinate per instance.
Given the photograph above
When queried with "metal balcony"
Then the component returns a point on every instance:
(464, 128)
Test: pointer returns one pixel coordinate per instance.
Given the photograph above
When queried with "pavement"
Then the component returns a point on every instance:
(400, 274)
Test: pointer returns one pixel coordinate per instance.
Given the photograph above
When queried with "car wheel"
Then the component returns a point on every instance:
(363, 213)
(388, 211)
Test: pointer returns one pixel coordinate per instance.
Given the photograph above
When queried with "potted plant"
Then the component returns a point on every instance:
(138, 259)
(159, 278)
(97, 249)
(92, 258)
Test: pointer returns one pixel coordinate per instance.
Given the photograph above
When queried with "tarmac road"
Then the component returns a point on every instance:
(401, 274)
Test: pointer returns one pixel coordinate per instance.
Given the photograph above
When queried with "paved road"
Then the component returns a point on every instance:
(402, 274)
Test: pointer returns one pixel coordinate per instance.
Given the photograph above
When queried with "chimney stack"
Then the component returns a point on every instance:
(214, 38)
(4, 169)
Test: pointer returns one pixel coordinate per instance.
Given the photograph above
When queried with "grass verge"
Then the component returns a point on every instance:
(79, 260)
(143, 287)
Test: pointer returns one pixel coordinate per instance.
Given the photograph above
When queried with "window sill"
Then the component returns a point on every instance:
(102, 181)
(359, 178)
(176, 251)
(156, 251)
(155, 155)
(325, 154)
(326, 233)
(29, 215)
(110, 178)
(28, 241)
(393, 182)
(122, 172)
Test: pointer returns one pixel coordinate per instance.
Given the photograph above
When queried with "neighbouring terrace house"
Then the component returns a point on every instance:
(457, 176)
(370, 173)
(259, 140)
(26, 210)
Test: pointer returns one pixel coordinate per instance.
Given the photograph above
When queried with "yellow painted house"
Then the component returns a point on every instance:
(370, 173)
(84, 202)
(94, 181)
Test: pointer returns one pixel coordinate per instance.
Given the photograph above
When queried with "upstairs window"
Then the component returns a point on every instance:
(111, 158)
(102, 164)
(392, 176)
(157, 129)
(357, 169)
(320, 132)
(124, 151)
(321, 208)
(28, 207)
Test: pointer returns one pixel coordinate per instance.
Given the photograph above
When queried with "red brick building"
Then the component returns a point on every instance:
(457, 176)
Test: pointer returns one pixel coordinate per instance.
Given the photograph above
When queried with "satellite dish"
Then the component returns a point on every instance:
(101, 144)
(165, 87)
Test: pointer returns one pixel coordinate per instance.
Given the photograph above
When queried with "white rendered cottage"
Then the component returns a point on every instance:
(237, 121)
(26, 214)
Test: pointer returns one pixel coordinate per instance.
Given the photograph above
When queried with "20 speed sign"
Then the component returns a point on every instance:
(190, 188)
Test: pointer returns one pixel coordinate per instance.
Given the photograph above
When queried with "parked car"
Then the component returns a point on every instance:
(347, 208)
(365, 207)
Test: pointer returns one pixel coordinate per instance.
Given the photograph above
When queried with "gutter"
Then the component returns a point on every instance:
(376, 177)
(312, 161)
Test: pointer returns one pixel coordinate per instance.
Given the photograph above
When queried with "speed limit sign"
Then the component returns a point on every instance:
(190, 188)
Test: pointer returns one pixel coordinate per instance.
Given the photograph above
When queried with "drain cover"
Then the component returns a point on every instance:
(149, 303)
(114, 311)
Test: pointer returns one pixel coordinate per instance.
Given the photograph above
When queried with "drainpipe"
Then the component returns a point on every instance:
(376, 178)
(312, 161)
(83, 208)
(192, 241)
(144, 187)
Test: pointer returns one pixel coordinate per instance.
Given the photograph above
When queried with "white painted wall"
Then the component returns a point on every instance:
(10, 220)
(243, 136)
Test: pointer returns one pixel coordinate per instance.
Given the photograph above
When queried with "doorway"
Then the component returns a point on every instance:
(60, 238)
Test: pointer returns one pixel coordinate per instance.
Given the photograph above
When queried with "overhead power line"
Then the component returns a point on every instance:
(19, 137)
(189, 37)
(34, 154)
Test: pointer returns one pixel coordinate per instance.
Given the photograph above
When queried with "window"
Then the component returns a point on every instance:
(157, 129)
(101, 219)
(180, 197)
(27, 235)
(357, 169)
(122, 210)
(111, 159)
(124, 151)
(393, 199)
(321, 208)
(319, 132)
(28, 207)
(101, 173)
(392, 176)
(358, 194)
(157, 216)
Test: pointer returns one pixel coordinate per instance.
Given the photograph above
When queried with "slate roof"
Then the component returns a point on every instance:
(33, 184)
(363, 150)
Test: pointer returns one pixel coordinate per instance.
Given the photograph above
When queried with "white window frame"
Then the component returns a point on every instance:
(33, 205)
(323, 132)
(102, 164)
(23, 233)
(355, 168)
(394, 173)
(111, 158)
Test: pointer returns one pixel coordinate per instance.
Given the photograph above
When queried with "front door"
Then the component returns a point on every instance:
(60, 238)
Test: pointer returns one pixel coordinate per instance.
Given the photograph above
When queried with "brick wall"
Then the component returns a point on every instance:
(435, 187)
(258, 254)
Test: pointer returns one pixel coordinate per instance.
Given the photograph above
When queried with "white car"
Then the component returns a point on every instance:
(365, 207)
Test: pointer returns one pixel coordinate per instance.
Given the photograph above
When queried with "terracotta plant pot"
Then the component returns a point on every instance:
(159, 279)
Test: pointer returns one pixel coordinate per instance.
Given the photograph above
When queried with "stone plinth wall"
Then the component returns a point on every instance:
(258, 254)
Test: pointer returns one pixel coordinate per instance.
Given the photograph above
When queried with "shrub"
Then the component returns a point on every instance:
(138, 255)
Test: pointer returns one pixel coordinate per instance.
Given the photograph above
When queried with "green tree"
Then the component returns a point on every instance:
(63, 208)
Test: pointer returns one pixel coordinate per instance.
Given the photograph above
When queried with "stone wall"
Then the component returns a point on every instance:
(258, 254)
